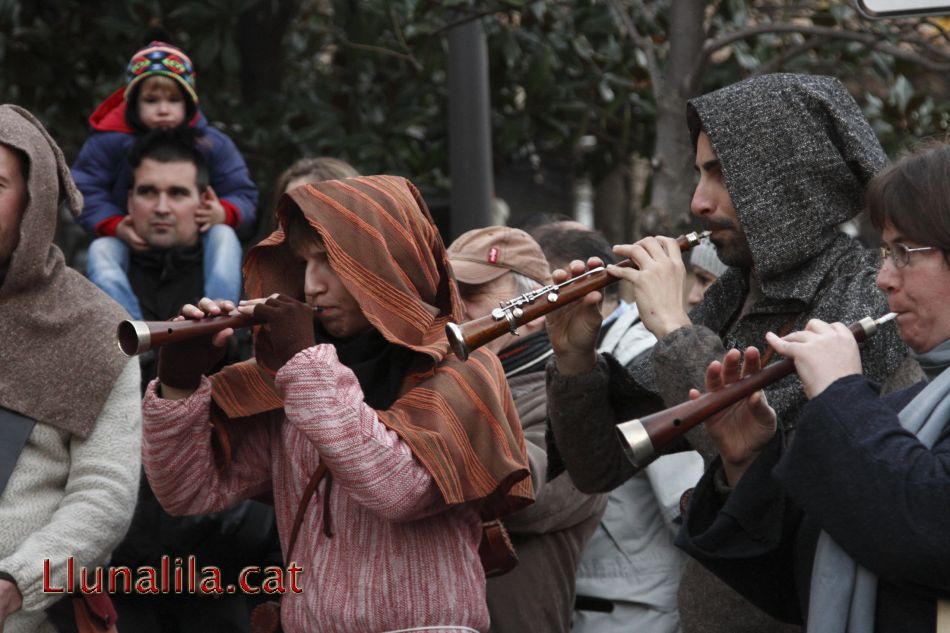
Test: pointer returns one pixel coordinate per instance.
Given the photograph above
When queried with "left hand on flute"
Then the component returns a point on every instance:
(658, 284)
(288, 329)
(573, 328)
(742, 430)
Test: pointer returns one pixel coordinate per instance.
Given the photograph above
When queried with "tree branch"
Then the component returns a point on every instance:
(871, 40)
(912, 35)
(381, 50)
(468, 18)
(397, 29)
(642, 42)
(776, 64)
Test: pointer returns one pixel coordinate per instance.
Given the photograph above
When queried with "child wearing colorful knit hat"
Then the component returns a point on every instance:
(160, 92)
(164, 71)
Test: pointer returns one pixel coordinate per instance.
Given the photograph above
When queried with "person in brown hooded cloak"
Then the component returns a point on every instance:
(352, 377)
(70, 420)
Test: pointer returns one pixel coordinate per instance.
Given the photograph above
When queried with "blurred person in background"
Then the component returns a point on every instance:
(493, 265)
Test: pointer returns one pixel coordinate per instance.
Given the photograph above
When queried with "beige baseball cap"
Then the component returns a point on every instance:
(482, 255)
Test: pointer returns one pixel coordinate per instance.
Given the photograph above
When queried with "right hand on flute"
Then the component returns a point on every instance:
(181, 365)
(742, 430)
(823, 353)
(573, 328)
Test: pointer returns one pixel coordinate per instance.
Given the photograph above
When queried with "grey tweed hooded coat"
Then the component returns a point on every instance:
(796, 153)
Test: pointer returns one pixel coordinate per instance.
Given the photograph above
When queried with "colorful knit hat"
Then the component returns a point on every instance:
(159, 58)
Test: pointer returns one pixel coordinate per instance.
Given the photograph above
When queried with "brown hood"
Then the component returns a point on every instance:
(457, 417)
(57, 330)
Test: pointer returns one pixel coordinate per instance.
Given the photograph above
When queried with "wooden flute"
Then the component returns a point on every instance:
(470, 335)
(645, 439)
(135, 337)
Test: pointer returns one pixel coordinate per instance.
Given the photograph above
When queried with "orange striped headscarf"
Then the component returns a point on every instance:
(457, 417)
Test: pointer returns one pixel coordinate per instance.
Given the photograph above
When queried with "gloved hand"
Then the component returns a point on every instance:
(181, 365)
(288, 329)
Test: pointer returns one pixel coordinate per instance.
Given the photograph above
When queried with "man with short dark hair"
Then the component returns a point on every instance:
(169, 187)
(169, 182)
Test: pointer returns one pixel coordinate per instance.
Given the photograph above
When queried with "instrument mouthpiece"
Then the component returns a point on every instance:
(890, 316)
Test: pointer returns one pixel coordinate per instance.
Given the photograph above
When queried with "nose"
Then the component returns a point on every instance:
(701, 203)
(161, 206)
(887, 277)
(314, 283)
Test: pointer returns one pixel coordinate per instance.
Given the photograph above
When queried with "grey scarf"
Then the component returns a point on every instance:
(843, 594)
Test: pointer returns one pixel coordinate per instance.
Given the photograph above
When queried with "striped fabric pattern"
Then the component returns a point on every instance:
(458, 418)
(399, 556)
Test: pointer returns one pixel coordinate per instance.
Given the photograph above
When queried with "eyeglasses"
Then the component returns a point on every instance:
(900, 253)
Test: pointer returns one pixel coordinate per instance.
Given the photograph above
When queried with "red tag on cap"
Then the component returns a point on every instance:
(493, 255)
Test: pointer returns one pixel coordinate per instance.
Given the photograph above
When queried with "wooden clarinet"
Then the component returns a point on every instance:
(645, 439)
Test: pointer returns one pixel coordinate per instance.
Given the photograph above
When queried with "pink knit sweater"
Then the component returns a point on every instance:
(398, 557)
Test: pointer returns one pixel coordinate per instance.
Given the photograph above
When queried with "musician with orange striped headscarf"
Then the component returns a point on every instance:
(353, 400)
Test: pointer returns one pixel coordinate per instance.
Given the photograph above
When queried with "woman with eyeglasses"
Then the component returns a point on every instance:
(847, 529)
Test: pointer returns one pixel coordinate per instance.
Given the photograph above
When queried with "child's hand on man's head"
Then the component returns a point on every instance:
(125, 231)
(210, 211)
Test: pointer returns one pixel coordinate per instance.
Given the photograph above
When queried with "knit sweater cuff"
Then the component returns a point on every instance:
(107, 228)
(232, 216)
(576, 388)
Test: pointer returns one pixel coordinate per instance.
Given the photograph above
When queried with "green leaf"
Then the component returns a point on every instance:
(582, 47)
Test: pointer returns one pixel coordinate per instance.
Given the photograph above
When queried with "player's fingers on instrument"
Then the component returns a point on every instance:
(841, 330)
(731, 366)
(713, 378)
(622, 272)
(226, 305)
(673, 250)
(559, 275)
(817, 326)
(592, 298)
(622, 250)
(781, 345)
(653, 247)
(594, 262)
(189, 310)
(639, 253)
(751, 361)
(207, 304)
(576, 267)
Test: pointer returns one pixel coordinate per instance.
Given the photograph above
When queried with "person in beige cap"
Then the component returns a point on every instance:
(493, 265)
